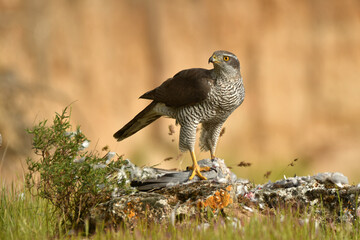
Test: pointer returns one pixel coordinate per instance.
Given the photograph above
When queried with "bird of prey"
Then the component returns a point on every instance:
(191, 97)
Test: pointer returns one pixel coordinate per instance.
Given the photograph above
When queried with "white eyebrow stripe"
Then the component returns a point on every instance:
(230, 55)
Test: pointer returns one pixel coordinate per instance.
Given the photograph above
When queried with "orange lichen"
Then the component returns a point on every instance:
(219, 200)
(130, 211)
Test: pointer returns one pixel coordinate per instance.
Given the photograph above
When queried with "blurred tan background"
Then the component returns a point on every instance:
(300, 61)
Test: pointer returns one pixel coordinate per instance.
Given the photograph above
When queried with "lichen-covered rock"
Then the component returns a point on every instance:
(183, 201)
(160, 178)
(140, 205)
(160, 196)
(332, 178)
(328, 192)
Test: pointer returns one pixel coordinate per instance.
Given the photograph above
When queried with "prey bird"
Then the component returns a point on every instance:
(191, 97)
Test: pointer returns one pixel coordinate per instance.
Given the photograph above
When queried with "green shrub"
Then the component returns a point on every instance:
(73, 179)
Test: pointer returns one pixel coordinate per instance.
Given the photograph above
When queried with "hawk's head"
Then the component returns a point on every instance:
(225, 60)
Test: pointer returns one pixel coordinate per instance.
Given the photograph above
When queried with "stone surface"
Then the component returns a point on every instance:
(161, 196)
(145, 179)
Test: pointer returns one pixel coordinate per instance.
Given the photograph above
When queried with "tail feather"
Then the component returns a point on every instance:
(141, 120)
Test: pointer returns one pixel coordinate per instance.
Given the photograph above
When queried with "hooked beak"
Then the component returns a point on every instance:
(213, 59)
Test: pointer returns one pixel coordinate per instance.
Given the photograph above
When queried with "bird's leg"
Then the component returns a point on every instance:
(196, 168)
(209, 137)
(212, 154)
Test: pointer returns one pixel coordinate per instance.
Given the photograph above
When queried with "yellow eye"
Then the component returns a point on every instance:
(226, 58)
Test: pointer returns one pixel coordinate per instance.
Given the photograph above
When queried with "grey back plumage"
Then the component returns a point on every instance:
(185, 88)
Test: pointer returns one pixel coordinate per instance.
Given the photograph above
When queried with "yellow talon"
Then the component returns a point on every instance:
(196, 168)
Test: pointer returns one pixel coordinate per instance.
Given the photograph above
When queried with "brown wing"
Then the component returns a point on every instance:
(186, 87)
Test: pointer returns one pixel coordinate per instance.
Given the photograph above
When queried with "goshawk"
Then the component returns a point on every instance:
(191, 97)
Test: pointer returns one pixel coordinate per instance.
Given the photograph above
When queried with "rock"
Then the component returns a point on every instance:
(162, 196)
(160, 178)
(333, 178)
